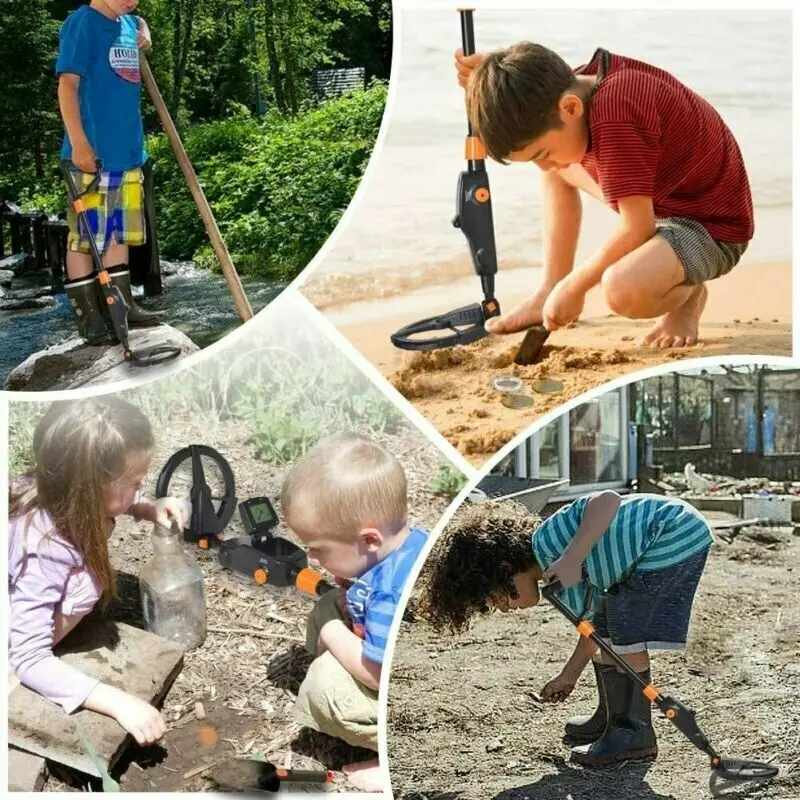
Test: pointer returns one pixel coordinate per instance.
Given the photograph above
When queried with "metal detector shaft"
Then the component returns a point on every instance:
(474, 219)
(473, 197)
(676, 712)
(117, 308)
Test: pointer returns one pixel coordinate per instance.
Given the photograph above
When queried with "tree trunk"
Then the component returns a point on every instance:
(184, 47)
(289, 60)
(275, 77)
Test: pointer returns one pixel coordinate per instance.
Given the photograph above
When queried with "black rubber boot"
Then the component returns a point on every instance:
(629, 733)
(137, 317)
(586, 729)
(93, 321)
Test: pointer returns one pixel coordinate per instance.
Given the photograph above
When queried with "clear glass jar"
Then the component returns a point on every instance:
(172, 591)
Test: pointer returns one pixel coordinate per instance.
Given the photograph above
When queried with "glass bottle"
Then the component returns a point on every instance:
(172, 590)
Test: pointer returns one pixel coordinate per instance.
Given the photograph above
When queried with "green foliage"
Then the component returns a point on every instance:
(279, 182)
(22, 421)
(287, 396)
(277, 187)
(30, 127)
(448, 481)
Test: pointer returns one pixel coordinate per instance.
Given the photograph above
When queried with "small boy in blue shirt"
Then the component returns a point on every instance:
(346, 500)
(642, 555)
(99, 87)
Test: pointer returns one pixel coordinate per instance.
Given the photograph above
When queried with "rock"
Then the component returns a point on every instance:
(26, 304)
(29, 294)
(26, 772)
(493, 745)
(6, 276)
(13, 264)
(74, 363)
(139, 662)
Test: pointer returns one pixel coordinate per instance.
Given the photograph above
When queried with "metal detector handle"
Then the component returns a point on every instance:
(74, 193)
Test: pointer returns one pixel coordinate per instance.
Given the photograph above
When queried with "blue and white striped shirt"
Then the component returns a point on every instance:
(648, 532)
(372, 599)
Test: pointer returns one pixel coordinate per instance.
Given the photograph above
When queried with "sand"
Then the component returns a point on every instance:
(748, 313)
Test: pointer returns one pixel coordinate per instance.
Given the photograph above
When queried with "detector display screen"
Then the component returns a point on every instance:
(258, 515)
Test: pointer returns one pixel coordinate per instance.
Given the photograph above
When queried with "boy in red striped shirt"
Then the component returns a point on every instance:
(637, 139)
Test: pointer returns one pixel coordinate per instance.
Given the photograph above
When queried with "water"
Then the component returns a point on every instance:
(400, 237)
(196, 301)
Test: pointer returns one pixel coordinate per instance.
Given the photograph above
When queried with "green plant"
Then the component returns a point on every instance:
(448, 481)
(22, 421)
(277, 186)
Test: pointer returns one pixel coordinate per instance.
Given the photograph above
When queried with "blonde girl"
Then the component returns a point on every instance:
(91, 457)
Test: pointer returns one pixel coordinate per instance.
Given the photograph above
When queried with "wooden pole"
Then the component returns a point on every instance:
(231, 276)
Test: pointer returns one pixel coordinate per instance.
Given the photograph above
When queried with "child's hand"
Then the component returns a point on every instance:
(566, 569)
(140, 719)
(167, 509)
(564, 305)
(84, 157)
(465, 65)
(558, 689)
(143, 38)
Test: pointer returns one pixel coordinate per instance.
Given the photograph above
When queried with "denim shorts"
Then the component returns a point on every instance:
(650, 610)
(702, 256)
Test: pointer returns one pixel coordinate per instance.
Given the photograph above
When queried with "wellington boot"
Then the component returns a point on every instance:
(629, 733)
(137, 317)
(584, 728)
(94, 324)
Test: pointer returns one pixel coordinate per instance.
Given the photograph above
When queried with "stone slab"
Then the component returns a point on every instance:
(120, 655)
(74, 364)
(26, 772)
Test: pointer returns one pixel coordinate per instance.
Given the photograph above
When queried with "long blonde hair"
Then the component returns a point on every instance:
(80, 447)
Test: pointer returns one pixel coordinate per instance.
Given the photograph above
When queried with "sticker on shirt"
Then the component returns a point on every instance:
(124, 56)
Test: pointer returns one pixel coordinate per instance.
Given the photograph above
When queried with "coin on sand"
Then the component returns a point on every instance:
(516, 400)
(547, 386)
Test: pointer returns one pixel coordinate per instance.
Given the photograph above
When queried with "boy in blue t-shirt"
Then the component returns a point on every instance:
(346, 501)
(642, 555)
(99, 96)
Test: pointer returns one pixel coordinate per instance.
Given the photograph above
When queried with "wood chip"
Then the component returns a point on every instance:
(199, 711)
(259, 633)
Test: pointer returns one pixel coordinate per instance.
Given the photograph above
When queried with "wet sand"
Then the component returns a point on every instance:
(748, 313)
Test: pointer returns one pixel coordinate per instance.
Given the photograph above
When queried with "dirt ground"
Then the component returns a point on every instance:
(247, 672)
(463, 722)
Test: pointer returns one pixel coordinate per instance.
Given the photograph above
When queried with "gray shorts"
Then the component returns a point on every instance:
(650, 610)
(702, 256)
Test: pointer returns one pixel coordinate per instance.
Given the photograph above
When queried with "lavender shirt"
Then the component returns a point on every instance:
(46, 576)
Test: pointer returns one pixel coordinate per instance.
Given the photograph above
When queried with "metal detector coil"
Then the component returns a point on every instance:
(474, 219)
(682, 717)
(209, 514)
(117, 307)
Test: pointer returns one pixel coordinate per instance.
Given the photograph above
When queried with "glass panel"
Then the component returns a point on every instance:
(694, 411)
(781, 421)
(596, 441)
(550, 438)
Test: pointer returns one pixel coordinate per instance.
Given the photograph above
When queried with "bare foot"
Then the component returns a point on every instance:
(366, 775)
(680, 327)
(527, 314)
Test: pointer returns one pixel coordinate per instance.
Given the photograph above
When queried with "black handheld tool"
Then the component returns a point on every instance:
(682, 717)
(117, 307)
(474, 218)
(244, 775)
(268, 558)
